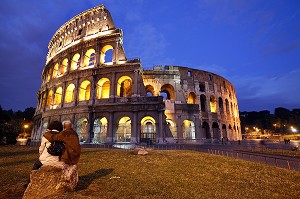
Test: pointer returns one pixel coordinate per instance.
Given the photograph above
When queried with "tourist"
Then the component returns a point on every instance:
(71, 154)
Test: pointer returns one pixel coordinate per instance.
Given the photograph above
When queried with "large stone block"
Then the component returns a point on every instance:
(51, 182)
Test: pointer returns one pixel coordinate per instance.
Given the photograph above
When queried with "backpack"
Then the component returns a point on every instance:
(56, 148)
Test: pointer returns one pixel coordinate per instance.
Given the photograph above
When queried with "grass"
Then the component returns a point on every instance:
(109, 173)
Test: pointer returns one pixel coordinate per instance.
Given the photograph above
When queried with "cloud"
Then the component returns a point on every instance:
(266, 91)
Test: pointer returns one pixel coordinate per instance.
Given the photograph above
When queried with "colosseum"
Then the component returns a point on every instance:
(110, 99)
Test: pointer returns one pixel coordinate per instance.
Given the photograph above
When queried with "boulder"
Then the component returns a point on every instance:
(51, 182)
(140, 151)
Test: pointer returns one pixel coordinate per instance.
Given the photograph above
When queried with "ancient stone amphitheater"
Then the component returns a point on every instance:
(109, 99)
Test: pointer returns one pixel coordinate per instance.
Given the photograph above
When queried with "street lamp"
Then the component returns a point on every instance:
(293, 129)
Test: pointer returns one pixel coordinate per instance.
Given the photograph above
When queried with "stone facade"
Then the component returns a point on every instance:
(109, 99)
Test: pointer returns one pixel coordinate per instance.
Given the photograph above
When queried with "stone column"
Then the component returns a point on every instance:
(109, 137)
(135, 82)
(134, 125)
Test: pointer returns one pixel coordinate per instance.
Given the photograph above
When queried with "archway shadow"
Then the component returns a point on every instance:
(85, 181)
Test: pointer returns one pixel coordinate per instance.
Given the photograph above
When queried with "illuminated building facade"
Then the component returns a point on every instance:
(89, 81)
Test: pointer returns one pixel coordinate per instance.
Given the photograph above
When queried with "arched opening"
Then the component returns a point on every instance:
(168, 89)
(89, 58)
(57, 97)
(203, 102)
(49, 75)
(103, 88)
(191, 98)
(124, 86)
(188, 130)
(75, 63)
(202, 87)
(148, 130)
(172, 127)
(221, 108)
(205, 129)
(227, 106)
(123, 133)
(224, 131)
(213, 104)
(100, 130)
(230, 132)
(82, 129)
(63, 66)
(216, 130)
(84, 91)
(149, 90)
(106, 54)
(49, 99)
(55, 71)
(69, 96)
(231, 108)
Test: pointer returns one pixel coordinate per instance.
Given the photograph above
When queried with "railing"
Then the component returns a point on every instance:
(287, 163)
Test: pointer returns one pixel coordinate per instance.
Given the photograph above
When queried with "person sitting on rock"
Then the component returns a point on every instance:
(45, 158)
(72, 151)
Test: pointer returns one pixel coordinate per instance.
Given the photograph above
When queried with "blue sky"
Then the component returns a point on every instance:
(255, 44)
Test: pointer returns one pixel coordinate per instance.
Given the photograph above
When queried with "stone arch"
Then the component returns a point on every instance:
(123, 132)
(100, 130)
(188, 130)
(227, 105)
(168, 89)
(63, 67)
(172, 127)
(69, 96)
(81, 129)
(57, 97)
(221, 107)
(124, 86)
(148, 129)
(216, 130)
(49, 99)
(206, 130)
(203, 102)
(103, 88)
(191, 98)
(84, 91)
(49, 73)
(224, 131)
(213, 104)
(149, 90)
(103, 58)
(89, 58)
(75, 62)
(55, 71)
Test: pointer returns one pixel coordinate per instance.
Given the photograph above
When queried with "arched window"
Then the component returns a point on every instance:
(203, 102)
(213, 104)
(84, 91)
(124, 86)
(100, 130)
(57, 97)
(172, 127)
(168, 89)
(69, 96)
(63, 67)
(188, 130)
(55, 71)
(227, 106)
(43, 100)
(148, 132)
(75, 62)
(221, 105)
(82, 129)
(104, 58)
(191, 98)
(123, 133)
(216, 130)
(49, 99)
(103, 88)
(205, 129)
(89, 58)
(49, 75)
(149, 90)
